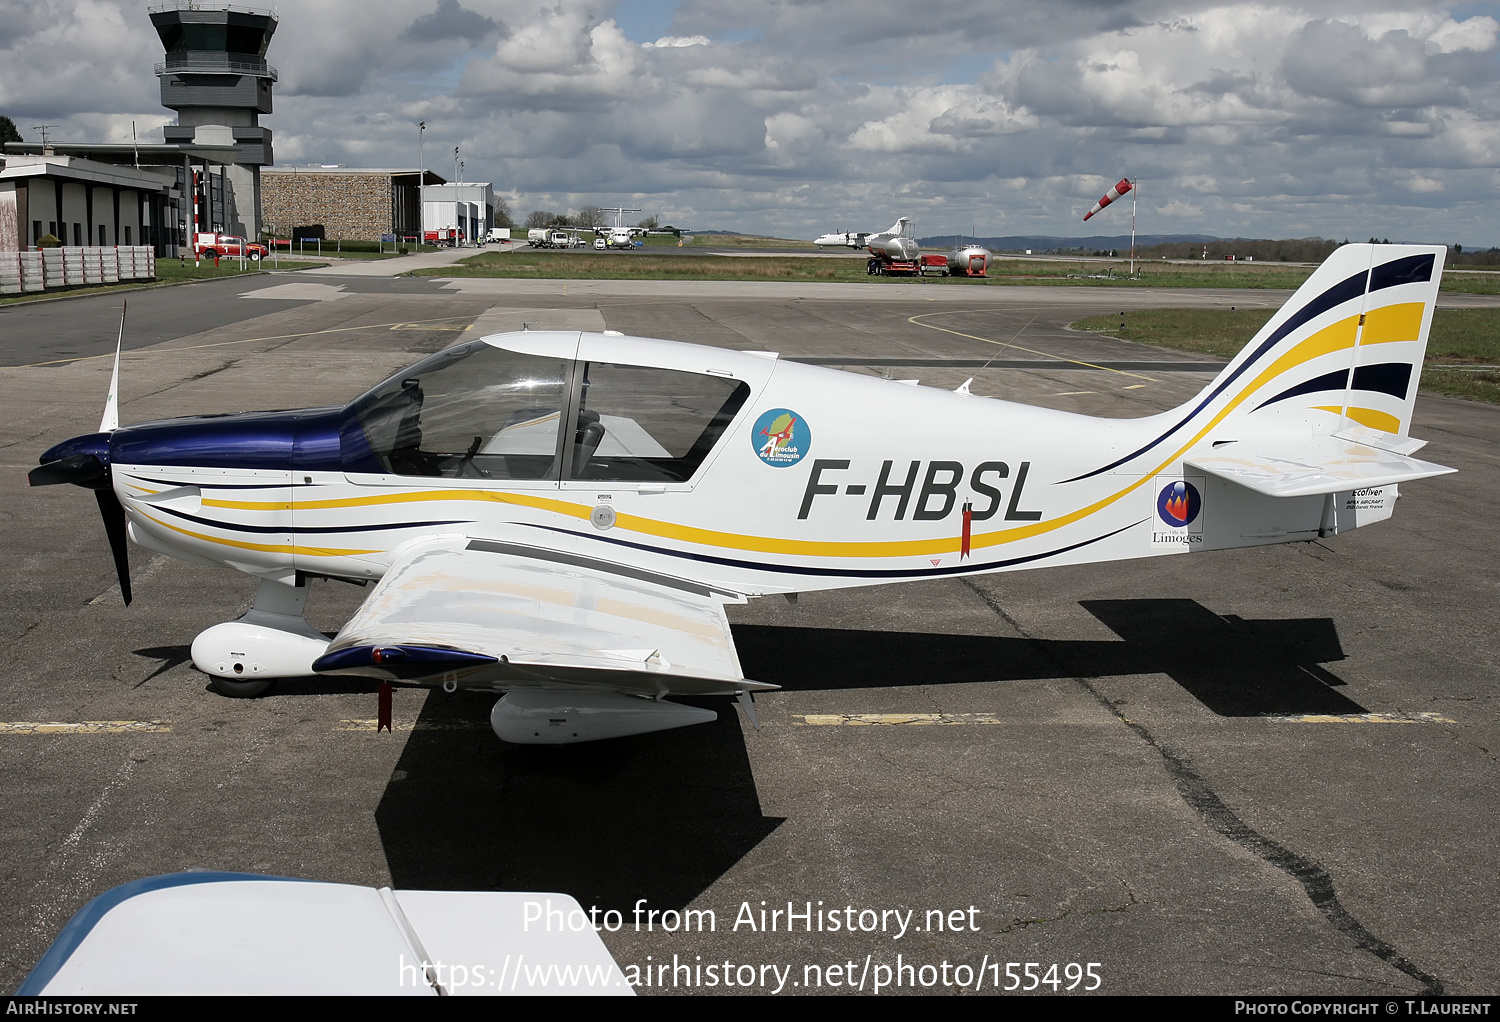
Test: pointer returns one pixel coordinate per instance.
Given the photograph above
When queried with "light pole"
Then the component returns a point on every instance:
(421, 187)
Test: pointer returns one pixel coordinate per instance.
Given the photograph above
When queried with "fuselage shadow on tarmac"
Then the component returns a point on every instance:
(662, 816)
(1235, 668)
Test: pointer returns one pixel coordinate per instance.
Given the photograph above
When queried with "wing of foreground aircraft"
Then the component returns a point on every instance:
(572, 638)
(562, 517)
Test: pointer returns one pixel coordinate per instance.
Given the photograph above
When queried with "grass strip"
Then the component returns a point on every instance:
(1460, 337)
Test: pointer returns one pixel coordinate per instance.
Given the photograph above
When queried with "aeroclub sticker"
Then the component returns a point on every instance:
(780, 437)
(1179, 512)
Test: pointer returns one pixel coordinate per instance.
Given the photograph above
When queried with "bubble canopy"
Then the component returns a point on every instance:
(531, 407)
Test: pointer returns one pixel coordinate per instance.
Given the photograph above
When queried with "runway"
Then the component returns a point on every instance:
(1265, 771)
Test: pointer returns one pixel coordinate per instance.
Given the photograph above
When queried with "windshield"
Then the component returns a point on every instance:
(481, 412)
(472, 411)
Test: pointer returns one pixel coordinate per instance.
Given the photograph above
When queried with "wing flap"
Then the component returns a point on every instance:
(1304, 468)
(519, 615)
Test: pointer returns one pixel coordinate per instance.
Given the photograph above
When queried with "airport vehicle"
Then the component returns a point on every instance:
(894, 252)
(500, 235)
(212, 245)
(563, 517)
(246, 933)
(898, 244)
(557, 237)
(842, 239)
(933, 263)
(968, 261)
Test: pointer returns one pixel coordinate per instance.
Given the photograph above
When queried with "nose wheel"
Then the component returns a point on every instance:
(243, 658)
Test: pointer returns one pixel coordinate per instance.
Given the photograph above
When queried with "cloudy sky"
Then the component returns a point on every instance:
(1337, 119)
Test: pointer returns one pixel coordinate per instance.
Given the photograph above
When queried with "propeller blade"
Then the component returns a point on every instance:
(110, 421)
(113, 514)
(83, 469)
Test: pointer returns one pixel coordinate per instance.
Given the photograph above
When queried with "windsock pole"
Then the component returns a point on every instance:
(1134, 188)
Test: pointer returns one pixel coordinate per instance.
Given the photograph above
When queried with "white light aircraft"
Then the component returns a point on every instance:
(562, 517)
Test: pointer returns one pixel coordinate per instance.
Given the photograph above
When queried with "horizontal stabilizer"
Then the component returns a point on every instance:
(1380, 439)
(1302, 468)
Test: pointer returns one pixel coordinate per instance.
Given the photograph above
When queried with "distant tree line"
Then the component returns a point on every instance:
(1458, 256)
(1295, 250)
(589, 217)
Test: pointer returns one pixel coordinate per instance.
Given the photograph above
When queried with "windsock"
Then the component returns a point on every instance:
(1114, 193)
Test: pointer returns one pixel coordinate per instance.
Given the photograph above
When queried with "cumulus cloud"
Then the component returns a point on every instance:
(452, 22)
(1346, 117)
(676, 42)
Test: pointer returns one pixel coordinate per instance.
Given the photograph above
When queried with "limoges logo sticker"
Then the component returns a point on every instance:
(1179, 512)
(780, 437)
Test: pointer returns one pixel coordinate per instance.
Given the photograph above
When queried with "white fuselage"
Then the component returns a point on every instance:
(842, 239)
(855, 497)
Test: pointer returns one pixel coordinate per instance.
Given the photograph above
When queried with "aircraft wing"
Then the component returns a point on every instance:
(499, 614)
(1300, 468)
(242, 933)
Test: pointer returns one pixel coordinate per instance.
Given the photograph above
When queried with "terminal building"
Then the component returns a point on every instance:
(101, 194)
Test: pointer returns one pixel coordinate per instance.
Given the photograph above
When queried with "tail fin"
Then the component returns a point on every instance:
(1346, 351)
(1320, 402)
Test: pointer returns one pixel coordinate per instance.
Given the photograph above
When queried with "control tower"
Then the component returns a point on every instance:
(216, 77)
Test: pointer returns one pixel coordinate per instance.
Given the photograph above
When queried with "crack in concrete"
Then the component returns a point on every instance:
(1203, 800)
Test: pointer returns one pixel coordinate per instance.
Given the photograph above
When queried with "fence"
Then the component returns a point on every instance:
(50, 268)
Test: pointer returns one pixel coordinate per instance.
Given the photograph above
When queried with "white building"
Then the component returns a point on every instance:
(468, 207)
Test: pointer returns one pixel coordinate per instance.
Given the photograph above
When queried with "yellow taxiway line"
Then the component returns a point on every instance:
(892, 719)
(1364, 718)
(83, 727)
